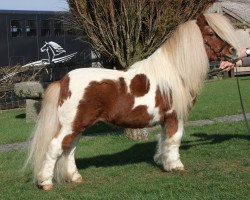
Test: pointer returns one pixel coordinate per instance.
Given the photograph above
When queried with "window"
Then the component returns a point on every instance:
(30, 28)
(58, 28)
(45, 28)
(16, 28)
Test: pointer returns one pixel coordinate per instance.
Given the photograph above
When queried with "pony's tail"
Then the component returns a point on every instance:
(46, 128)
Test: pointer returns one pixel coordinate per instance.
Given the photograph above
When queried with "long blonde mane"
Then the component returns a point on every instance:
(180, 65)
(244, 37)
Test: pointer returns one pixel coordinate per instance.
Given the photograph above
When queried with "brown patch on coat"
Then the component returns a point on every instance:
(169, 119)
(139, 85)
(172, 124)
(67, 141)
(163, 104)
(65, 93)
(110, 101)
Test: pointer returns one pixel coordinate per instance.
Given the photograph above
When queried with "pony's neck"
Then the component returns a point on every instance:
(179, 66)
(185, 56)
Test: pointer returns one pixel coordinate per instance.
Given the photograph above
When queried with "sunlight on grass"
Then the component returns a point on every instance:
(13, 127)
(220, 98)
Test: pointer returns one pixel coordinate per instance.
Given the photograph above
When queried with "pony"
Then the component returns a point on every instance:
(160, 89)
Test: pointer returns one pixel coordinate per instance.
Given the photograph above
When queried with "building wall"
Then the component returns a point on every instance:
(4, 51)
(24, 47)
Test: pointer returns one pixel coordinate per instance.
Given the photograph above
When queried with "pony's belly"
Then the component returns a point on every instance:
(139, 117)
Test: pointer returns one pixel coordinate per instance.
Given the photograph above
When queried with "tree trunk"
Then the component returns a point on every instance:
(137, 134)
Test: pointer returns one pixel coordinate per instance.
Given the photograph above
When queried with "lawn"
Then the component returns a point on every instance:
(220, 97)
(13, 127)
(113, 167)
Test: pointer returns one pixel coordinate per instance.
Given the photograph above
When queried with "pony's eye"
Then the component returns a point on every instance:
(211, 33)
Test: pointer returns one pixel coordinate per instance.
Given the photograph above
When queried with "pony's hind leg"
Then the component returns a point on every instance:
(167, 153)
(72, 173)
(45, 175)
(52, 157)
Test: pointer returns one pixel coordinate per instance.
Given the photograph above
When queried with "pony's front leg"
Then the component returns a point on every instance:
(167, 153)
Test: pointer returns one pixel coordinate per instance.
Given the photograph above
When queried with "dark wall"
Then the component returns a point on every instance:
(23, 48)
(3, 41)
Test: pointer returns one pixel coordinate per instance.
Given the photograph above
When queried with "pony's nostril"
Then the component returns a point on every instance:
(232, 50)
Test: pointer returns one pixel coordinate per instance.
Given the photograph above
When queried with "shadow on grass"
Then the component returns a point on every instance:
(144, 152)
(205, 139)
(21, 116)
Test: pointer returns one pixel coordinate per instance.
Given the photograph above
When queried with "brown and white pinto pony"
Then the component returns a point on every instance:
(158, 90)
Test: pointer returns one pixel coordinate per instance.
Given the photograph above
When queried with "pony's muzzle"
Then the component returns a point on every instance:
(233, 51)
(233, 57)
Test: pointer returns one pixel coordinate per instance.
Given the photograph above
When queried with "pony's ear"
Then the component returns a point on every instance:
(201, 20)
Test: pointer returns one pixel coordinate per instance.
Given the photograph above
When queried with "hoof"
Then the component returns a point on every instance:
(78, 180)
(173, 166)
(47, 187)
(177, 169)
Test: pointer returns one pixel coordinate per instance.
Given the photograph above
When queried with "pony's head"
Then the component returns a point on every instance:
(218, 36)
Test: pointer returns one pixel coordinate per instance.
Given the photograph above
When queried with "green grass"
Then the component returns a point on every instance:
(216, 158)
(220, 97)
(13, 127)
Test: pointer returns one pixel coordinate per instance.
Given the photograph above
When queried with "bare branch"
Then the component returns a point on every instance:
(126, 31)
